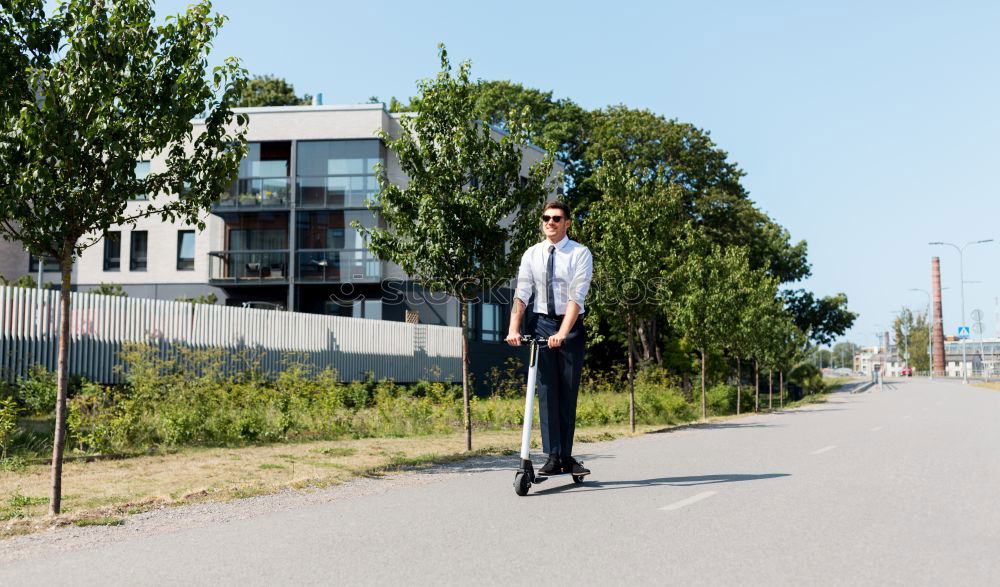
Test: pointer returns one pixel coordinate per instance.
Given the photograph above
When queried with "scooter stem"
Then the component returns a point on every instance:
(529, 400)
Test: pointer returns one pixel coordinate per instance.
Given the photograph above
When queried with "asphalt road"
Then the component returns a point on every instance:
(899, 486)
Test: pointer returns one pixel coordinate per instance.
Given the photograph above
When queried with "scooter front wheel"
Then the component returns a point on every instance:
(577, 478)
(521, 484)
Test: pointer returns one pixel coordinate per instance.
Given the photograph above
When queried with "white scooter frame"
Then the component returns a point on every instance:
(525, 475)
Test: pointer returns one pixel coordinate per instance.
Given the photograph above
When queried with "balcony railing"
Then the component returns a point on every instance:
(337, 266)
(256, 193)
(251, 267)
(345, 191)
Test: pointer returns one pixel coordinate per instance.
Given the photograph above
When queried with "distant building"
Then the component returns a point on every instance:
(981, 357)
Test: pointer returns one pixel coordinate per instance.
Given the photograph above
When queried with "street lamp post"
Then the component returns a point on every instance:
(961, 276)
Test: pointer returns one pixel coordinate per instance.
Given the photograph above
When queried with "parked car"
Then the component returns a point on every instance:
(907, 372)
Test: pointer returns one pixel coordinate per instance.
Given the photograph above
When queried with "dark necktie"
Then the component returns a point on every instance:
(549, 291)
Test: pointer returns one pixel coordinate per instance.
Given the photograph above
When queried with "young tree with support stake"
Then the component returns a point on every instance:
(88, 92)
(464, 201)
(703, 301)
(757, 295)
(628, 232)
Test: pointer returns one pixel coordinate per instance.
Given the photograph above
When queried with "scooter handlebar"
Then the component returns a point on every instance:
(540, 340)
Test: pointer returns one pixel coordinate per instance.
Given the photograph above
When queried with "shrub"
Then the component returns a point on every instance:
(8, 422)
(507, 382)
(721, 400)
(808, 377)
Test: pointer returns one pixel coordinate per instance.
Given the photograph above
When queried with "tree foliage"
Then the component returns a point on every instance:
(628, 233)
(704, 299)
(270, 90)
(910, 333)
(466, 215)
(823, 319)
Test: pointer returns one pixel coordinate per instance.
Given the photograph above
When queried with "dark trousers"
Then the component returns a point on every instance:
(558, 385)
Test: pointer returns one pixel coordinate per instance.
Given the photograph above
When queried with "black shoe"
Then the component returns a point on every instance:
(571, 466)
(551, 466)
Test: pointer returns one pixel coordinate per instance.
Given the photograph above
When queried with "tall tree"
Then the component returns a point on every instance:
(270, 90)
(464, 203)
(769, 340)
(911, 336)
(703, 300)
(824, 319)
(714, 200)
(548, 120)
(627, 231)
(88, 92)
(757, 294)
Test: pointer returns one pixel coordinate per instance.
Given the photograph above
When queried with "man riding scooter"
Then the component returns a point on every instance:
(557, 271)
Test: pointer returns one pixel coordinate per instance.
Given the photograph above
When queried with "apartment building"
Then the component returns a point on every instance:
(282, 237)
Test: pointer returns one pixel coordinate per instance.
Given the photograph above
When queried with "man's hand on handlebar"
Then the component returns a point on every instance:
(514, 339)
(556, 340)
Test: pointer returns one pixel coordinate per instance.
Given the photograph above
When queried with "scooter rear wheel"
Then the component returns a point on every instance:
(577, 478)
(521, 484)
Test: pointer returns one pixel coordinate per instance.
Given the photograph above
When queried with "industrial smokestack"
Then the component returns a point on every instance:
(937, 337)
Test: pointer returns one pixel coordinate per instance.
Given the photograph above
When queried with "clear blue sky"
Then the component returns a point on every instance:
(866, 128)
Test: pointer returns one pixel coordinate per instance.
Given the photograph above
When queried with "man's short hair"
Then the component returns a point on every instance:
(558, 205)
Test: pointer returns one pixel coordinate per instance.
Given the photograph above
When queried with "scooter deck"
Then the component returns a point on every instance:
(542, 476)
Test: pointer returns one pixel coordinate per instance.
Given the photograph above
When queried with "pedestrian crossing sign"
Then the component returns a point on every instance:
(963, 332)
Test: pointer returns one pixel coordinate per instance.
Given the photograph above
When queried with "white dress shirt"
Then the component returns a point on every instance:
(574, 268)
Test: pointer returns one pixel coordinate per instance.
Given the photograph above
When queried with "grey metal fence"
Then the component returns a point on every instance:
(101, 325)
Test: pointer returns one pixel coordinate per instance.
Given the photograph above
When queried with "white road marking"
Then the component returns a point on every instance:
(685, 502)
(876, 429)
(823, 450)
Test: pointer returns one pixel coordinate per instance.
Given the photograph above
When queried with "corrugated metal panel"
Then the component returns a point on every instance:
(101, 325)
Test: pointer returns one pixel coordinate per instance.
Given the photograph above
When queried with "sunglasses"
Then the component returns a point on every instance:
(556, 218)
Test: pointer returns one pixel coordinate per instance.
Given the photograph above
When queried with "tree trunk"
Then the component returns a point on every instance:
(656, 344)
(464, 321)
(770, 388)
(738, 388)
(631, 369)
(704, 410)
(756, 386)
(781, 387)
(62, 383)
(644, 341)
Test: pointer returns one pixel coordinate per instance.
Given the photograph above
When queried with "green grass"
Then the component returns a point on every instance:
(18, 505)
(103, 521)
(272, 466)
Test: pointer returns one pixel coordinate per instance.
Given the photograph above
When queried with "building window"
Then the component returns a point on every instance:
(370, 309)
(258, 232)
(141, 171)
(489, 324)
(185, 250)
(49, 263)
(112, 251)
(137, 250)
(337, 174)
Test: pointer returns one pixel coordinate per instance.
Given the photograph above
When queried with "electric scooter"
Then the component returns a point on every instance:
(526, 475)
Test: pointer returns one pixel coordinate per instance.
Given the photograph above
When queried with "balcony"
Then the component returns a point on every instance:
(353, 191)
(248, 267)
(256, 193)
(337, 266)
